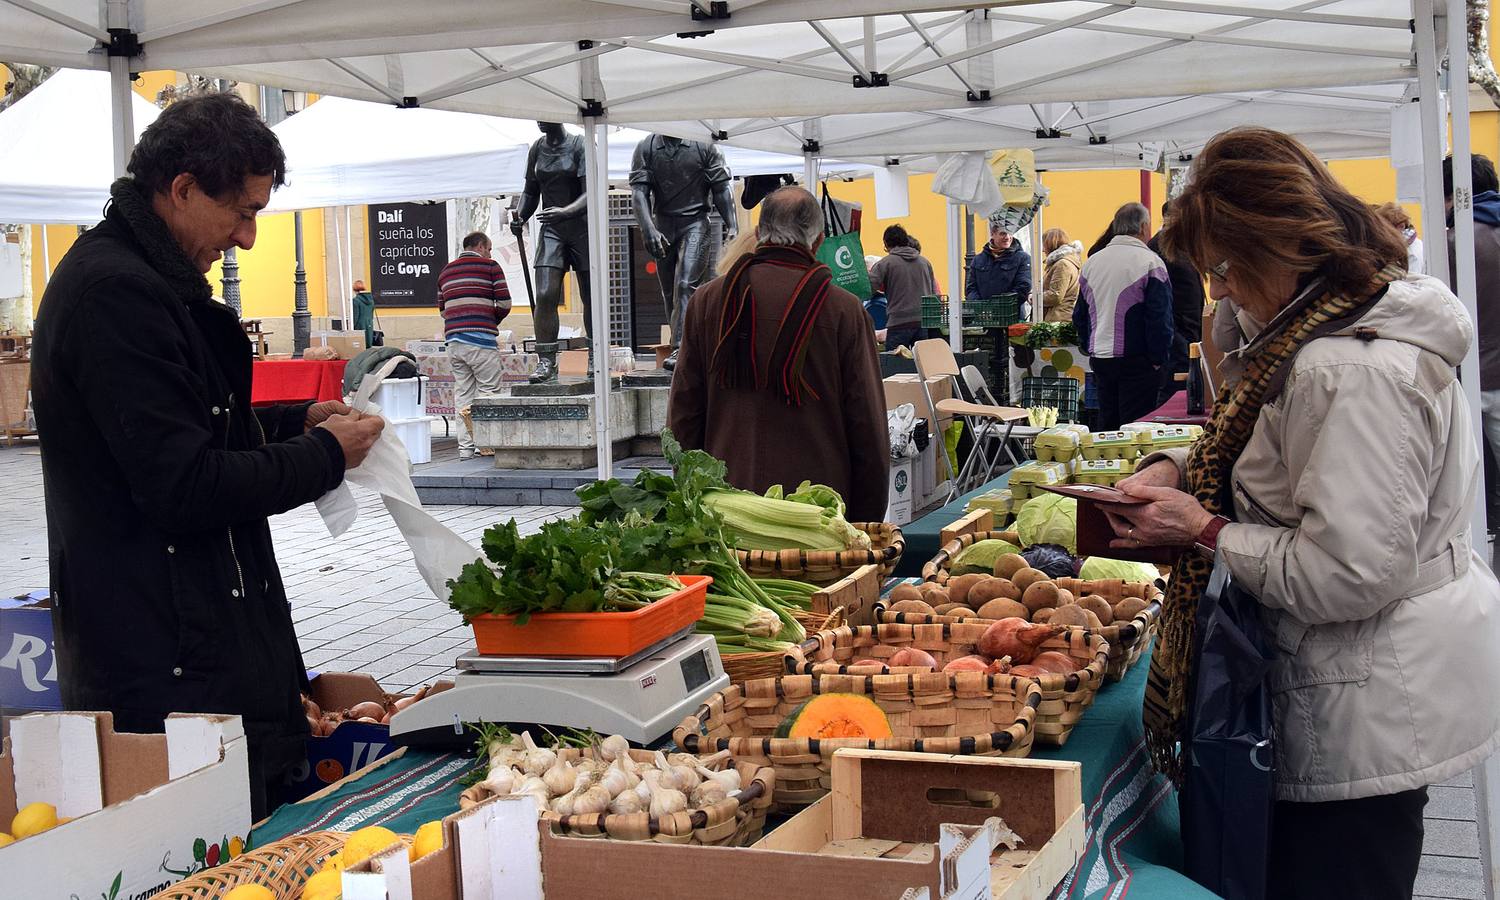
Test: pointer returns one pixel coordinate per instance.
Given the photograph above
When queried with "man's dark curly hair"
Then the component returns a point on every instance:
(217, 138)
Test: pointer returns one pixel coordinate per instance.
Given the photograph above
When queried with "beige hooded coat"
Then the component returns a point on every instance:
(1352, 505)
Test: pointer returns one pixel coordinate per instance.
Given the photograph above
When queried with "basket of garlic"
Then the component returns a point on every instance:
(608, 790)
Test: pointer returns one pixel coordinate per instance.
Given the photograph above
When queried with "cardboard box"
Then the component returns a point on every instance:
(898, 510)
(28, 662)
(353, 745)
(149, 809)
(901, 389)
(349, 344)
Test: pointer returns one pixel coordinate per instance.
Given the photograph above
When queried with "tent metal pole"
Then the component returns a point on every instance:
(955, 279)
(1487, 773)
(1038, 261)
(122, 111)
(810, 171)
(1431, 112)
(596, 152)
(46, 258)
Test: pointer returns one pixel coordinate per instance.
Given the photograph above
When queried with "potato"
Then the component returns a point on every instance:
(948, 609)
(933, 593)
(1099, 607)
(1041, 595)
(1027, 577)
(1065, 596)
(963, 612)
(1074, 615)
(958, 588)
(1009, 564)
(913, 606)
(1042, 616)
(1003, 608)
(985, 591)
(1129, 608)
(905, 592)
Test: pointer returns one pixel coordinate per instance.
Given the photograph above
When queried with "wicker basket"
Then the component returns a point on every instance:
(968, 713)
(737, 822)
(281, 867)
(1064, 697)
(828, 566)
(1126, 639)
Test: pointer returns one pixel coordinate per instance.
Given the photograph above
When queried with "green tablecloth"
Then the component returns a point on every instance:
(922, 534)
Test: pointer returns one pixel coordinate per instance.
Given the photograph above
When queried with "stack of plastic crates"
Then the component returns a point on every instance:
(986, 312)
(1060, 393)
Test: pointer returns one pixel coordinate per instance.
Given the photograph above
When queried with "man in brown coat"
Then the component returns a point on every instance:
(778, 374)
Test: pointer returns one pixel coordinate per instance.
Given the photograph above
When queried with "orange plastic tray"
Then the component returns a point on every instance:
(597, 633)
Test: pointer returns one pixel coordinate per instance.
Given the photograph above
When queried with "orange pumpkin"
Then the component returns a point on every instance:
(329, 770)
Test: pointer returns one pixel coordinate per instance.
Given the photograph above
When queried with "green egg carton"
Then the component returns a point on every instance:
(1025, 477)
(997, 501)
(1103, 471)
(1114, 445)
(1059, 443)
(1166, 436)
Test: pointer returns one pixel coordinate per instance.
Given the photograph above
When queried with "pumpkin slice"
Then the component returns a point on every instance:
(836, 716)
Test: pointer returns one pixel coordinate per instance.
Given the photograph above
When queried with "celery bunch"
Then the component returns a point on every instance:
(766, 523)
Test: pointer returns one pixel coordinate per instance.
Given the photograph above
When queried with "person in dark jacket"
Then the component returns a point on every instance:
(1486, 188)
(159, 476)
(1002, 267)
(904, 276)
(1187, 310)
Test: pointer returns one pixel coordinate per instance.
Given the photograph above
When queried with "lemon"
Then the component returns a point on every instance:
(326, 885)
(429, 839)
(34, 818)
(250, 892)
(6, 839)
(367, 842)
(334, 863)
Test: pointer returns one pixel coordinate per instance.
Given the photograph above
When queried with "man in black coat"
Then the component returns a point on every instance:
(159, 476)
(1187, 312)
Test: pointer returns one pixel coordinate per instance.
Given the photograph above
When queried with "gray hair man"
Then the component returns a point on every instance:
(1124, 319)
(778, 374)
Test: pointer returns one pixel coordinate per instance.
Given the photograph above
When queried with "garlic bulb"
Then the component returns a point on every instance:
(563, 805)
(707, 794)
(500, 781)
(729, 778)
(629, 771)
(590, 766)
(683, 778)
(614, 781)
(614, 747)
(531, 784)
(683, 759)
(627, 802)
(561, 778)
(539, 794)
(666, 801)
(594, 799)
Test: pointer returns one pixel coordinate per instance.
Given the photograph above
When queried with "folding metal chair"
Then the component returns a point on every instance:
(1002, 444)
(985, 422)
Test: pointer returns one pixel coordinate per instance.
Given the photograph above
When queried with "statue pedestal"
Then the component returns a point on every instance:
(552, 426)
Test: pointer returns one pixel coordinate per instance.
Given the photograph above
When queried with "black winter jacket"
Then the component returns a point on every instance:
(991, 275)
(159, 477)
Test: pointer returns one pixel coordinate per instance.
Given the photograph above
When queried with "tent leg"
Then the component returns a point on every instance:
(46, 258)
(1038, 261)
(810, 172)
(955, 280)
(122, 114)
(596, 150)
(1487, 774)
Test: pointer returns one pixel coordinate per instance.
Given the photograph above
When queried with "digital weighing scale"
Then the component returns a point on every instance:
(642, 696)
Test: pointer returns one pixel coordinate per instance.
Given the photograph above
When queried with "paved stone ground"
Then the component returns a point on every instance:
(360, 606)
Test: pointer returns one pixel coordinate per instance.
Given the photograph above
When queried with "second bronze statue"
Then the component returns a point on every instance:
(555, 181)
(676, 184)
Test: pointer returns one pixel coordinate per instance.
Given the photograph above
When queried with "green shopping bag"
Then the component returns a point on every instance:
(843, 253)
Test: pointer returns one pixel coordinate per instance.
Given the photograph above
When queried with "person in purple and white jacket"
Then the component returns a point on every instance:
(1124, 319)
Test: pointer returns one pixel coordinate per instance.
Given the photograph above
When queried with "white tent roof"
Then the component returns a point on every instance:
(787, 58)
(342, 152)
(55, 162)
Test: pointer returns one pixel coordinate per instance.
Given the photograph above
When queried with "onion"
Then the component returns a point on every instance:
(402, 703)
(366, 710)
(368, 719)
(314, 725)
(310, 707)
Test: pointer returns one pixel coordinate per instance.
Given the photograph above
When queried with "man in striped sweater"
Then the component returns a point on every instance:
(473, 299)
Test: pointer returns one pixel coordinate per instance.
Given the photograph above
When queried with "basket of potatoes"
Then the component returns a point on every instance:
(1067, 664)
(1123, 613)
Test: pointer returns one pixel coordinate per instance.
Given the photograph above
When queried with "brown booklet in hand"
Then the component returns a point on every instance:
(1094, 531)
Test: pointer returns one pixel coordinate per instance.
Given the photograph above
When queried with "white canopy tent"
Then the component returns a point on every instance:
(342, 152)
(55, 164)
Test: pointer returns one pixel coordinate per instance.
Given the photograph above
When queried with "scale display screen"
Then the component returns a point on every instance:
(695, 670)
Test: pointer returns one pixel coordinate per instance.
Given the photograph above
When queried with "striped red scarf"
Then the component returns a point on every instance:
(735, 361)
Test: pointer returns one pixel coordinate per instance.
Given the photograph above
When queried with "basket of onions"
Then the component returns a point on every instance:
(322, 722)
(608, 790)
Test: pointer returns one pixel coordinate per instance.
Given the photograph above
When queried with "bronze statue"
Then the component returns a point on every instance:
(555, 176)
(676, 183)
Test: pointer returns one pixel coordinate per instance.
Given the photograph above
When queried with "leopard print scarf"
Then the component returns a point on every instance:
(1209, 466)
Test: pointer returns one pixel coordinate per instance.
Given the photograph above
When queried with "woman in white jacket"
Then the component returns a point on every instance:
(1335, 481)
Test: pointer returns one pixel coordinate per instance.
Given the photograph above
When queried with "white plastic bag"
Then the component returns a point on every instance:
(440, 554)
(902, 425)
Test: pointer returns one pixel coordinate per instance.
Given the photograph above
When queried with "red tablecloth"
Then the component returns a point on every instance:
(296, 380)
(1174, 412)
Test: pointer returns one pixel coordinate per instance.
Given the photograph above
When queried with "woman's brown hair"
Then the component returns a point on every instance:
(1053, 238)
(1392, 213)
(1262, 201)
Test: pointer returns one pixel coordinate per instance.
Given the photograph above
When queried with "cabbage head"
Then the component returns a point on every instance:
(979, 557)
(1049, 519)
(1097, 567)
